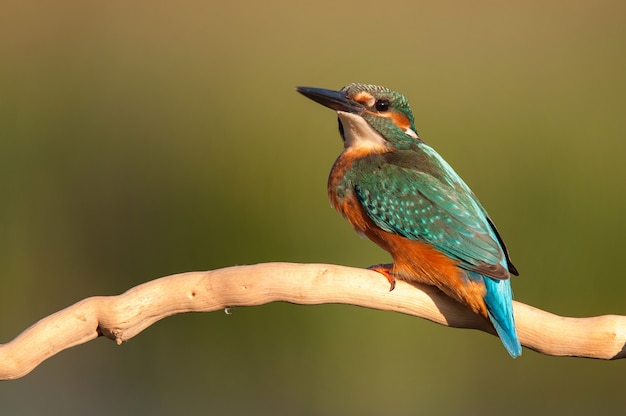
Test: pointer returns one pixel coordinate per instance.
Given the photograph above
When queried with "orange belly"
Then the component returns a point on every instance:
(416, 261)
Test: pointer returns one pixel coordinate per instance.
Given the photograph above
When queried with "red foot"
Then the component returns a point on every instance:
(387, 271)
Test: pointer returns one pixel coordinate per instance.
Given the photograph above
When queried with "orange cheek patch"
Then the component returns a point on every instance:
(364, 97)
(401, 120)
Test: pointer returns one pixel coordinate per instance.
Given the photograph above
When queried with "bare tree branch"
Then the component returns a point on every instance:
(124, 316)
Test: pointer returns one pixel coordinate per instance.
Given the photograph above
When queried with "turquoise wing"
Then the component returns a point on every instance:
(440, 210)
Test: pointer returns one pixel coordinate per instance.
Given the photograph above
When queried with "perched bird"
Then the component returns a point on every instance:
(396, 190)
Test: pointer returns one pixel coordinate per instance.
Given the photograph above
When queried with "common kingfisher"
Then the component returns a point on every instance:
(400, 193)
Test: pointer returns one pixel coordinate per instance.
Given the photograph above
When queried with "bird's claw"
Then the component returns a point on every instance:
(387, 271)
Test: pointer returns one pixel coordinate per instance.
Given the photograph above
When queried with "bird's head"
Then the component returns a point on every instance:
(371, 118)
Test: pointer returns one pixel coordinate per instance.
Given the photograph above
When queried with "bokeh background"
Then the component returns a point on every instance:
(141, 139)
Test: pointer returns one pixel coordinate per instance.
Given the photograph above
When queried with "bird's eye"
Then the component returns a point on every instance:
(382, 105)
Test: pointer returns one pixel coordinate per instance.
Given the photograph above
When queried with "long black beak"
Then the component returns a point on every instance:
(336, 100)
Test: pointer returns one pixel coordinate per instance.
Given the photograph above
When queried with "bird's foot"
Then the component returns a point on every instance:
(387, 271)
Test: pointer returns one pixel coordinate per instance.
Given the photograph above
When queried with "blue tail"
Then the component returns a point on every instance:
(499, 298)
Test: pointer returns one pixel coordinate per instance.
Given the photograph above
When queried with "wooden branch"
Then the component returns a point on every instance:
(124, 316)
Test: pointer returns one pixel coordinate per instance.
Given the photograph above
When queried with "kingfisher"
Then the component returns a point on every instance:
(400, 193)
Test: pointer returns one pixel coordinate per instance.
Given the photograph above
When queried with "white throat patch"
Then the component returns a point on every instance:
(360, 136)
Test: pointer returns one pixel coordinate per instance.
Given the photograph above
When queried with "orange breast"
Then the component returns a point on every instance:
(416, 261)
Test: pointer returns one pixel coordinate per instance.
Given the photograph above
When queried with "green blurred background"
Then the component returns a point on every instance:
(141, 139)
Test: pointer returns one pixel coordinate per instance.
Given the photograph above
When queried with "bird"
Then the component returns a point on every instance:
(400, 193)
